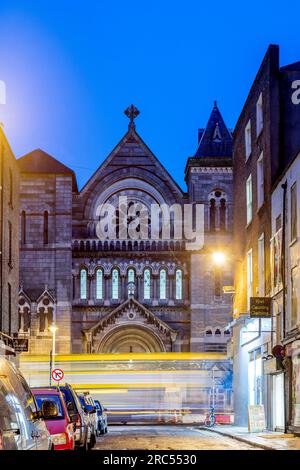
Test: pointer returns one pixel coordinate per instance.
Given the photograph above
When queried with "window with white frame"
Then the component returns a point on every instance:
(115, 284)
(294, 212)
(248, 148)
(260, 181)
(163, 284)
(147, 284)
(99, 284)
(294, 297)
(261, 265)
(249, 198)
(178, 280)
(83, 284)
(249, 278)
(259, 115)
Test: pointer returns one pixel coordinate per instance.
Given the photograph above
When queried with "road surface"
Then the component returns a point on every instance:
(166, 438)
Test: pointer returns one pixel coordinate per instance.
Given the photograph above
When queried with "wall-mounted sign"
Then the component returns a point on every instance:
(272, 366)
(260, 307)
(21, 344)
(256, 418)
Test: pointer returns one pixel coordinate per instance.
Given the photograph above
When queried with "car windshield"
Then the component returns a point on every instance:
(41, 398)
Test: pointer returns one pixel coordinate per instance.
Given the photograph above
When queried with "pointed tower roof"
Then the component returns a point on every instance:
(215, 140)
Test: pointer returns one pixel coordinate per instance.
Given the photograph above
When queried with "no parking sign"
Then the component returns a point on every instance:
(57, 375)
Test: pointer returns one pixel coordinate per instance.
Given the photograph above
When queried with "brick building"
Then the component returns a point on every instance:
(119, 295)
(9, 246)
(265, 140)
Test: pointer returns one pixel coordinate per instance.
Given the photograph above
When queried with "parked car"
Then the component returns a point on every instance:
(22, 426)
(89, 407)
(62, 426)
(102, 417)
(82, 420)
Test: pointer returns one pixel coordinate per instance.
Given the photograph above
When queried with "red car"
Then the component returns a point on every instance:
(61, 427)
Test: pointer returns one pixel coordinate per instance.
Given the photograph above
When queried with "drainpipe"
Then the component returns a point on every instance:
(283, 258)
(283, 277)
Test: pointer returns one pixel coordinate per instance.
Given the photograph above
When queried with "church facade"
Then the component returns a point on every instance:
(122, 295)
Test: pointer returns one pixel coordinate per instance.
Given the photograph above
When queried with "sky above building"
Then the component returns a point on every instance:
(71, 68)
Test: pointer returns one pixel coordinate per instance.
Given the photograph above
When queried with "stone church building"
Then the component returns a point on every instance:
(113, 296)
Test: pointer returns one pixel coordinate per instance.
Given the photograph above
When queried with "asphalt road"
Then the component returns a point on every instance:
(166, 438)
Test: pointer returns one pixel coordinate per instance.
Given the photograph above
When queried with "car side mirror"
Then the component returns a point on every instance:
(89, 409)
(49, 409)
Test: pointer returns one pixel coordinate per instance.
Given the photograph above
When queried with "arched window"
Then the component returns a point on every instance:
(163, 284)
(178, 293)
(83, 284)
(46, 232)
(130, 278)
(23, 227)
(218, 332)
(217, 277)
(227, 333)
(208, 333)
(212, 215)
(115, 284)
(222, 214)
(99, 284)
(147, 284)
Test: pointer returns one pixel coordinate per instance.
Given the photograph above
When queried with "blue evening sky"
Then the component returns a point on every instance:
(72, 67)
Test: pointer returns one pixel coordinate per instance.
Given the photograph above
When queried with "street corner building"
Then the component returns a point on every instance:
(115, 296)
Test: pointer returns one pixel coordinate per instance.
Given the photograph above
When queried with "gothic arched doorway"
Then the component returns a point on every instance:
(131, 339)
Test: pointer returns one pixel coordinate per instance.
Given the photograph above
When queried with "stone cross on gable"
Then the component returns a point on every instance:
(131, 112)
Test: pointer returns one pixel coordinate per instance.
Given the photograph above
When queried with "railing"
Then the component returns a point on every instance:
(7, 344)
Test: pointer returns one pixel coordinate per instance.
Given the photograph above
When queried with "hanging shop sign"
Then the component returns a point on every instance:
(260, 307)
(20, 344)
(272, 366)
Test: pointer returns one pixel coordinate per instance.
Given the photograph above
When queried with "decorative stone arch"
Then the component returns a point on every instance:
(131, 338)
(24, 312)
(45, 310)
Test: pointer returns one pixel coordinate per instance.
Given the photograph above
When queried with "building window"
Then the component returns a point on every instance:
(259, 115)
(248, 139)
(115, 284)
(294, 212)
(212, 215)
(11, 188)
(255, 377)
(249, 199)
(217, 278)
(249, 278)
(23, 227)
(260, 181)
(99, 284)
(46, 228)
(130, 280)
(261, 265)
(147, 284)
(294, 298)
(222, 214)
(163, 284)
(9, 308)
(83, 284)
(178, 293)
(10, 244)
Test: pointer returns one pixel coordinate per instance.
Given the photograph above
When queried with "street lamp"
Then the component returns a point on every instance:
(219, 258)
(53, 328)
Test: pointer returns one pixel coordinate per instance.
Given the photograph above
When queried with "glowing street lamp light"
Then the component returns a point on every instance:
(219, 258)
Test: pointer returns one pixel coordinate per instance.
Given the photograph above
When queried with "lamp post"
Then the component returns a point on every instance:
(53, 328)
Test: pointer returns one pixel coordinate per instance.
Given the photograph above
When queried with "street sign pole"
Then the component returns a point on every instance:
(50, 368)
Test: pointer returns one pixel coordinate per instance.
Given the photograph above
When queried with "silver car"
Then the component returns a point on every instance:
(21, 423)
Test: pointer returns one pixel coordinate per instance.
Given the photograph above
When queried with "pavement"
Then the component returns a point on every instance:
(265, 440)
(167, 437)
